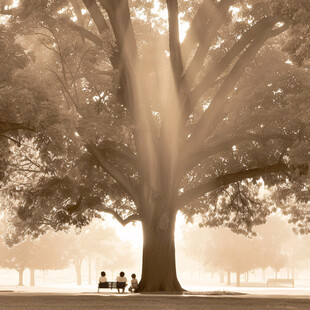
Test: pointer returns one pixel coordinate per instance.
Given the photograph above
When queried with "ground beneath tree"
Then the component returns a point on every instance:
(46, 301)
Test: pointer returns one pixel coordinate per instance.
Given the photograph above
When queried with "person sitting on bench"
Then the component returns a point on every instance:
(134, 283)
(102, 278)
(121, 278)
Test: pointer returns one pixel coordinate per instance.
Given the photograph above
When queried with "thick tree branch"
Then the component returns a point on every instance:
(9, 126)
(215, 112)
(77, 10)
(197, 29)
(212, 17)
(96, 15)
(102, 27)
(227, 179)
(174, 41)
(124, 222)
(212, 115)
(114, 172)
(214, 72)
(216, 16)
(226, 146)
(131, 81)
(84, 32)
(118, 11)
(120, 151)
(9, 12)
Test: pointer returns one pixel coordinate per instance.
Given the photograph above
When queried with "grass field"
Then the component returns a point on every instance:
(165, 302)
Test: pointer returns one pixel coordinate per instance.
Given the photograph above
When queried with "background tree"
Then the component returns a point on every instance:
(140, 152)
(47, 253)
(97, 241)
(276, 235)
(275, 246)
(225, 251)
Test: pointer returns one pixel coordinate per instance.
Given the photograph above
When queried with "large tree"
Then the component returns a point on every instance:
(162, 126)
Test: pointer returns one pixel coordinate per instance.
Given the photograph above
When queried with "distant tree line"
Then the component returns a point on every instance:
(275, 247)
(57, 251)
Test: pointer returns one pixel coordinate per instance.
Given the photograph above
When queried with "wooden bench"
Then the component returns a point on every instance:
(111, 285)
(280, 281)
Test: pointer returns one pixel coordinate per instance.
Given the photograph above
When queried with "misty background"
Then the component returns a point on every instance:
(205, 256)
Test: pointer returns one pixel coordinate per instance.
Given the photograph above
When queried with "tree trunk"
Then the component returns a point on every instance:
(228, 278)
(32, 279)
(222, 277)
(158, 264)
(238, 278)
(264, 274)
(97, 268)
(77, 265)
(21, 276)
(89, 270)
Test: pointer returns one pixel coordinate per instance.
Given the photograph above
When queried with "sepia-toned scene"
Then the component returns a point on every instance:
(154, 154)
